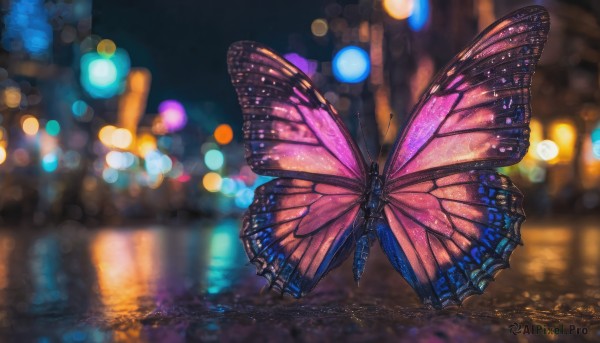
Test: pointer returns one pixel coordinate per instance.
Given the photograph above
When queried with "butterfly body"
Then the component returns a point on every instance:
(371, 213)
(446, 220)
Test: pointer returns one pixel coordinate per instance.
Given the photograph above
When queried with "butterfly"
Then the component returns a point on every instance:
(447, 221)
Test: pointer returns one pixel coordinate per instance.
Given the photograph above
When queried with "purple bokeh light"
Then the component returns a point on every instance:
(308, 67)
(173, 115)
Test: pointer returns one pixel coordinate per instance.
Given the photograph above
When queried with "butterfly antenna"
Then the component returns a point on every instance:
(384, 136)
(362, 130)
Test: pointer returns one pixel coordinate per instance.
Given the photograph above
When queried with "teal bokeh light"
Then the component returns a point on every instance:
(52, 128)
(104, 77)
(214, 159)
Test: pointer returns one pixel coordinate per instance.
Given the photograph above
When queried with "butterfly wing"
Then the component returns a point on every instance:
(290, 130)
(453, 221)
(476, 112)
(296, 231)
(449, 236)
(297, 228)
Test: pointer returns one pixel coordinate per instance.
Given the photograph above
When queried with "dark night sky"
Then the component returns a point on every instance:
(184, 43)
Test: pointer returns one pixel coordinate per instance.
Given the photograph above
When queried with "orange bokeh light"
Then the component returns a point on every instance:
(223, 134)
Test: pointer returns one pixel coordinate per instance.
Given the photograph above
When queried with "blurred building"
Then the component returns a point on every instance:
(79, 143)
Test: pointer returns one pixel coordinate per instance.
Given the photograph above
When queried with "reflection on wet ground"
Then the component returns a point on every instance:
(176, 284)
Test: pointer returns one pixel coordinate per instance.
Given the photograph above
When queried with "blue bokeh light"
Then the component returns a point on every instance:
(420, 15)
(351, 65)
(27, 28)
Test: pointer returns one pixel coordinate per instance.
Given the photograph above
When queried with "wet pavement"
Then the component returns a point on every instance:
(175, 284)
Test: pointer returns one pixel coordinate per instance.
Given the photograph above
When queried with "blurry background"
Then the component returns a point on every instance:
(119, 115)
(110, 110)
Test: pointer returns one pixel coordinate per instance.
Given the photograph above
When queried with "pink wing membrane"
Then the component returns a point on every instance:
(476, 112)
(296, 231)
(455, 232)
(290, 130)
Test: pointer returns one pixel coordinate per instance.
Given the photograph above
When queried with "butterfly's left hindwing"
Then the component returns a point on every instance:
(296, 231)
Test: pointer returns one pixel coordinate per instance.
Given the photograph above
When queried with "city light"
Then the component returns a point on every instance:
(351, 65)
(79, 108)
(596, 142)
(319, 27)
(12, 97)
(214, 159)
(30, 125)
(106, 48)
(547, 150)
(564, 134)
(121, 138)
(420, 15)
(399, 9)
(2, 154)
(103, 72)
(52, 128)
(307, 67)
(50, 162)
(120, 160)
(146, 143)
(27, 27)
(223, 134)
(212, 182)
(105, 134)
(173, 115)
(102, 76)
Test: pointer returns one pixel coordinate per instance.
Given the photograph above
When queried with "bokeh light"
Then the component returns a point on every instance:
(79, 108)
(223, 134)
(50, 162)
(30, 125)
(212, 182)
(596, 142)
(399, 9)
(172, 114)
(157, 163)
(103, 72)
(105, 134)
(214, 159)
(244, 197)
(419, 16)
(564, 134)
(104, 77)
(228, 187)
(547, 150)
(110, 175)
(12, 97)
(146, 143)
(121, 138)
(306, 66)
(2, 154)
(120, 160)
(52, 128)
(351, 65)
(319, 27)
(106, 48)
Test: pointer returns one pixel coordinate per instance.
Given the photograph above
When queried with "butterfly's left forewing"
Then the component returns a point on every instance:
(453, 222)
(290, 130)
(296, 229)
